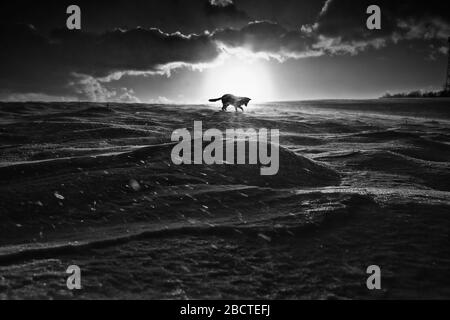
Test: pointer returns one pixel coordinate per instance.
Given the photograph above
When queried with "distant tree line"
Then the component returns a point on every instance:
(418, 94)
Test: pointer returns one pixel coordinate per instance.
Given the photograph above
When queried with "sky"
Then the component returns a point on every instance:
(188, 51)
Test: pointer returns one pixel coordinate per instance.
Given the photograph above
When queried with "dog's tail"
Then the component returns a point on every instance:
(214, 100)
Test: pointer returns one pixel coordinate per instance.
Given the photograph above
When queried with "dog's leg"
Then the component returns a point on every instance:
(241, 108)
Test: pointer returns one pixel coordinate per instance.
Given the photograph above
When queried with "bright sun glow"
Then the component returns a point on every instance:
(248, 78)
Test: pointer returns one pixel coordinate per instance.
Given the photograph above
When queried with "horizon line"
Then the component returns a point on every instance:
(199, 103)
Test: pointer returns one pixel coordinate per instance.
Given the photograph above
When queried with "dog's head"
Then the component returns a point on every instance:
(246, 101)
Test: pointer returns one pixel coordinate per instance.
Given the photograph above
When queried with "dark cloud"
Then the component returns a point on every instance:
(31, 61)
(186, 16)
(132, 50)
(289, 13)
(345, 22)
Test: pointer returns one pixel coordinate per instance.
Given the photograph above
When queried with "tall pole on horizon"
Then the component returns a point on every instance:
(447, 81)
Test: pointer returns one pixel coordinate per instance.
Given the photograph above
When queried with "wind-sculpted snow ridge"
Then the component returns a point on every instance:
(359, 183)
